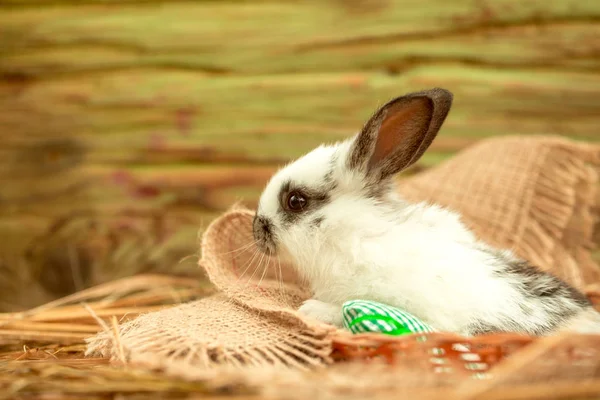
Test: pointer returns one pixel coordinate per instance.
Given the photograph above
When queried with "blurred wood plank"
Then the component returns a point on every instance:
(67, 138)
(274, 36)
(139, 116)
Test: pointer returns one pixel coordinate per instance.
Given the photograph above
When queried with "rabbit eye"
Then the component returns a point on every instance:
(296, 201)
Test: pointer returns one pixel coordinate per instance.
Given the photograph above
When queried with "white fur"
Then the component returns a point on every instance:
(418, 257)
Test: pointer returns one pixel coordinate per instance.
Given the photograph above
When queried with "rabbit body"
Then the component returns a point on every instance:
(335, 213)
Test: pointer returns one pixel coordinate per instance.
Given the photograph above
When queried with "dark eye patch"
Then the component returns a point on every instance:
(315, 198)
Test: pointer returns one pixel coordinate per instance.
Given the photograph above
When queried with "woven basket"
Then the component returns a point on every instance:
(442, 352)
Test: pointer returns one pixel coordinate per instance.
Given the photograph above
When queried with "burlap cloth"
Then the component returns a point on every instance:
(537, 195)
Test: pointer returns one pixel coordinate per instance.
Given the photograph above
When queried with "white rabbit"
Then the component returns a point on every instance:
(336, 216)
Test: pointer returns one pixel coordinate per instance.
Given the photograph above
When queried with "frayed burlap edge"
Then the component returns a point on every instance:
(565, 203)
(165, 343)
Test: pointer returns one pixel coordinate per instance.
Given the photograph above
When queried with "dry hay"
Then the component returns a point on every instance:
(42, 350)
(42, 356)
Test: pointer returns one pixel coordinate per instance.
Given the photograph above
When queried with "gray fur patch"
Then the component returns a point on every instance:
(540, 284)
(364, 143)
(318, 221)
(542, 294)
(379, 190)
(329, 175)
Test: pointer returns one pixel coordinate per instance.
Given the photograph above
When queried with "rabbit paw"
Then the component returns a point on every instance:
(321, 311)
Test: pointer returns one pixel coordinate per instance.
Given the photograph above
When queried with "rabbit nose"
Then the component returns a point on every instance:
(261, 224)
(261, 228)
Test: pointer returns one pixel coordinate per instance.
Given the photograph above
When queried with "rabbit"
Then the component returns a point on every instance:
(337, 217)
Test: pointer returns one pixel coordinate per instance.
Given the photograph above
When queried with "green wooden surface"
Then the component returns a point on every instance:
(180, 108)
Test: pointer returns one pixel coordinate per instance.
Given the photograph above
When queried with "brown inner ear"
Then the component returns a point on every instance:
(402, 131)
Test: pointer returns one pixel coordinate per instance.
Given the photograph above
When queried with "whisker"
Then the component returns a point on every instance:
(262, 256)
(265, 269)
(241, 248)
(249, 263)
(183, 259)
(280, 279)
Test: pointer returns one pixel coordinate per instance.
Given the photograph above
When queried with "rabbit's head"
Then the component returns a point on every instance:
(334, 190)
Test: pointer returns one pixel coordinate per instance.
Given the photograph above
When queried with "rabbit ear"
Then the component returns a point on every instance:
(398, 134)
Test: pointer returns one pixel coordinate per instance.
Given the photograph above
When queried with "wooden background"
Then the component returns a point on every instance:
(127, 125)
